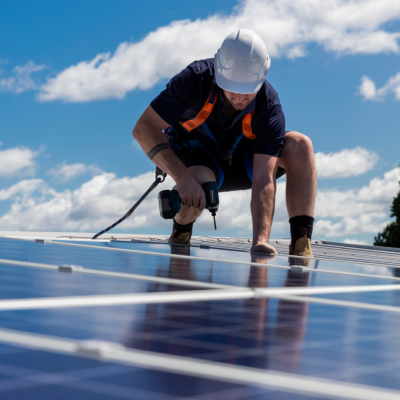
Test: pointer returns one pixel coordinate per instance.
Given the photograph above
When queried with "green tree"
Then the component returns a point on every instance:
(390, 237)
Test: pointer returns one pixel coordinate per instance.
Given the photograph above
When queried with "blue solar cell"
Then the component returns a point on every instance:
(343, 344)
(338, 260)
(203, 271)
(310, 340)
(55, 376)
(21, 282)
(385, 298)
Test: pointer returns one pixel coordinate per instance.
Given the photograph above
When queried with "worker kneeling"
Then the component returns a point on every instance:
(220, 120)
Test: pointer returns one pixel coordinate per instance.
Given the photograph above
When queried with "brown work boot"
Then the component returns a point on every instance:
(302, 247)
(180, 237)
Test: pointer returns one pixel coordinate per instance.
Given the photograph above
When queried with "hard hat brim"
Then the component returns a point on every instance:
(236, 87)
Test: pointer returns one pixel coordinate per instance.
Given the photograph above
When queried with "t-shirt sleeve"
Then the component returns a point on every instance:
(183, 91)
(269, 125)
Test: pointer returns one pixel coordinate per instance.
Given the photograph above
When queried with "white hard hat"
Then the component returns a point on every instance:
(241, 63)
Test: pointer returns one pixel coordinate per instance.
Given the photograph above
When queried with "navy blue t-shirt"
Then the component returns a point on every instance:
(187, 92)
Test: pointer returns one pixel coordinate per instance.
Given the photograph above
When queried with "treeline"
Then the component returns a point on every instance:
(390, 236)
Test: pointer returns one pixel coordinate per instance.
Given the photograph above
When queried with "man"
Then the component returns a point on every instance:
(224, 123)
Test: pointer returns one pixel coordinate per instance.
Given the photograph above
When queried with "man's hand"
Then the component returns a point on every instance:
(191, 193)
(263, 248)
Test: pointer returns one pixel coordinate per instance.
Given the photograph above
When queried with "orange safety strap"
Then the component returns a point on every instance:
(201, 117)
(246, 126)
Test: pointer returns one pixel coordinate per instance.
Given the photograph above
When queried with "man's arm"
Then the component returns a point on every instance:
(263, 200)
(148, 133)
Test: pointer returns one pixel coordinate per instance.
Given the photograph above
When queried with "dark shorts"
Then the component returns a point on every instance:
(236, 176)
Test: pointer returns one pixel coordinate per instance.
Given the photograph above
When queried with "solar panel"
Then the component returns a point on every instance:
(136, 318)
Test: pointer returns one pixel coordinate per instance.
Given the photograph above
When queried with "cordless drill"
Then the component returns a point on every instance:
(170, 203)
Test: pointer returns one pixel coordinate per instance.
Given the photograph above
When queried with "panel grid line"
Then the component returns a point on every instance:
(178, 256)
(287, 382)
(341, 303)
(198, 295)
(169, 281)
(318, 256)
(181, 256)
(272, 320)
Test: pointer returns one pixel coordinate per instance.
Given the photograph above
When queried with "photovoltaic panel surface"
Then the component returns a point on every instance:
(385, 264)
(385, 298)
(51, 376)
(192, 268)
(280, 335)
(267, 327)
(17, 283)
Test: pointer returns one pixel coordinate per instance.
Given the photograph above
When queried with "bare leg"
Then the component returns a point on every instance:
(189, 214)
(301, 174)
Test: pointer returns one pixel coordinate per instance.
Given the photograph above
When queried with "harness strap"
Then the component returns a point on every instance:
(246, 132)
(208, 132)
(234, 145)
(246, 126)
(248, 155)
(201, 117)
(200, 120)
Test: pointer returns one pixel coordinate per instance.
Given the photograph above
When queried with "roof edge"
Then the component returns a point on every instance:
(362, 246)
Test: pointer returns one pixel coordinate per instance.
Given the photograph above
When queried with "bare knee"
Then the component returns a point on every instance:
(297, 149)
(297, 140)
(202, 174)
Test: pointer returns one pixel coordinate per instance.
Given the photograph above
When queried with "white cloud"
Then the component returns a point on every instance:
(370, 223)
(94, 205)
(65, 172)
(287, 27)
(17, 160)
(369, 92)
(346, 163)
(355, 241)
(102, 200)
(356, 211)
(376, 197)
(367, 88)
(105, 198)
(21, 80)
(23, 190)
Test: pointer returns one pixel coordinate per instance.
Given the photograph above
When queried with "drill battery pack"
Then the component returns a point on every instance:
(169, 203)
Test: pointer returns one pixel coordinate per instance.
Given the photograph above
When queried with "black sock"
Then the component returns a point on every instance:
(183, 228)
(301, 226)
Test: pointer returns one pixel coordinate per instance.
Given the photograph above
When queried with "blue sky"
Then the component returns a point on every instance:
(68, 161)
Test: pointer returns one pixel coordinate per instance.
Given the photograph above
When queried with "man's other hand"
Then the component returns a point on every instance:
(191, 193)
(263, 248)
